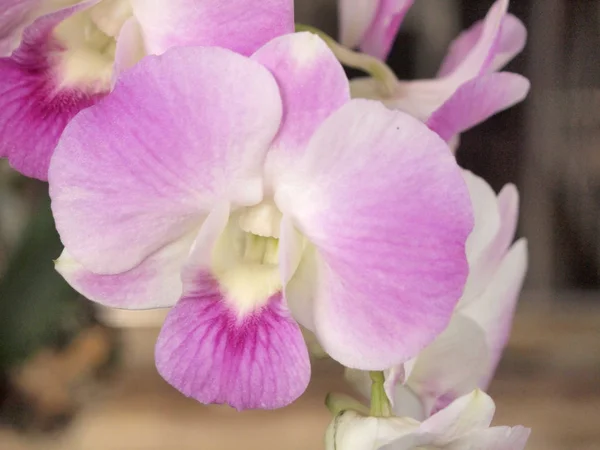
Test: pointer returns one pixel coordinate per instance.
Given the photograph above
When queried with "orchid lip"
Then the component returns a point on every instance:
(245, 258)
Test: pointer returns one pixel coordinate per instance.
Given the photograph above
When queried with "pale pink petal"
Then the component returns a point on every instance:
(419, 98)
(476, 101)
(383, 201)
(494, 309)
(299, 290)
(496, 438)
(380, 36)
(355, 18)
(154, 283)
(466, 414)
(394, 377)
(509, 43)
(239, 25)
(130, 47)
(312, 84)
(486, 214)
(209, 353)
(408, 404)
(451, 366)
(485, 257)
(35, 106)
(143, 167)
(508, 206)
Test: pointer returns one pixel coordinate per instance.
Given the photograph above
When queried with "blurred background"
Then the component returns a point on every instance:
(74, 377)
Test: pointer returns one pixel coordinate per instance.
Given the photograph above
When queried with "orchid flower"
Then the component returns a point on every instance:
(465, 356)
(464, 424)
(249, 192)
(371, 25)
(68, 54)
(468, 89)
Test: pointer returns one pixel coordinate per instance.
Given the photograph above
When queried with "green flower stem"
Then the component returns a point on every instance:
(369, 64)
(338, 403)
(380, 404)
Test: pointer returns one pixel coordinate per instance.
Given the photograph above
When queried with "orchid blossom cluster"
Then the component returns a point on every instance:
(213, 158)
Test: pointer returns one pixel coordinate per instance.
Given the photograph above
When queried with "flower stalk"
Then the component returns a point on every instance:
(380, 404)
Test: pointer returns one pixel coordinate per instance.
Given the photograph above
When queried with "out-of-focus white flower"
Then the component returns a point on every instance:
(462, 425)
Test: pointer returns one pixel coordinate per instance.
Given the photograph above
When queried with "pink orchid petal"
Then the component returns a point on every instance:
(495, 308)
(380, 36)
(208, 352)
(383, 201)
(509, 43)
(485, 257)
(239, 25)
(312, 84)
(355, 18)
(15, 15)
(476, 101)
(155, 283)
(480, 57)
(421, 98)
(35, 107)
(451, 366)
(140, 170)
(496, 438)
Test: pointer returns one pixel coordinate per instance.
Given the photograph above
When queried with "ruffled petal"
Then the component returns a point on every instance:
(154, 283)
(494, 309)
(383, 201)
(312, 84)
(210, 353)
(476, 101)
(143, 167)
(239, 25)
(451, 366)
(35, 103)
(380, 36)
(510, 41)
(466, 414)
(353, 431)
(355, 18)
